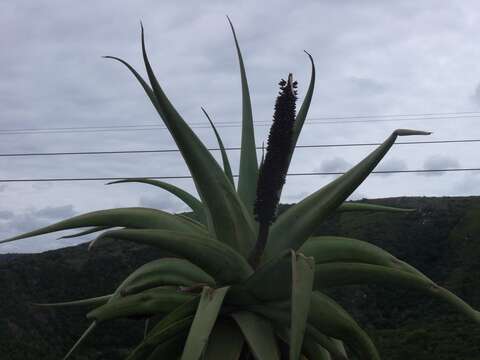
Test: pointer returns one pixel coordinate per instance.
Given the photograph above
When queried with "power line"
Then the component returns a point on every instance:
(113, 152)
(361, 119)
(189, 177)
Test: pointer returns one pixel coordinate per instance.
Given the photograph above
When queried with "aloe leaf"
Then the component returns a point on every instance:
(314, 351)
(341, 274)
(228, 218)
(147, 303)
(162, 336)
(226, 163)
(177, 321)
(186, 197)
(303, 270)
(347, 207)
(80, 340)
(170, 349)
(330, 249)
(248, 174)
(169, 278)
(161, 272)
(272, 280)
(219, 260)
(330, 318)
(207, 312)
(302, 113)
(296, 224)
(225, 342)
(126, 217)
(279, 314)
(86, 232)
(95, 301)
(259, 335)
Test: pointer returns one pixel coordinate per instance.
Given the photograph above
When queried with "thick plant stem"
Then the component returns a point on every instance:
(257, 251)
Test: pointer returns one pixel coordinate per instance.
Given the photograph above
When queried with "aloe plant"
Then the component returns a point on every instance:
(242, 284)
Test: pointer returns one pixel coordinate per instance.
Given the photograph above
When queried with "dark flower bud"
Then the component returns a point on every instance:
(274, 168)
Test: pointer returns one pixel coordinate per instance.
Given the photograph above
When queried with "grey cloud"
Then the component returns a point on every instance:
(391, 164)
(366, 86)
(2, 187)
(335, 164)
(52, 212)
(439, 162)
(6, 215)
(165, 203)
(476, 95)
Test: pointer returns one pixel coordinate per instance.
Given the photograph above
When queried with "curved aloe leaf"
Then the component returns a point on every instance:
(272, 280)
(347, 207)
(225, 342)
(165, 271)
(340, 274)
(170, 349)
(219, 260)
(259, 335)
(159, 337)
(229, 219)
(226, 163)
(82, 338)
(329, 317)
(279, 314)
(248, 173)
(194, 204)
(310, 348)
(296, 224)
(302, 113)
(314, 351)
(95, 301)
(86, 232)
(207, 312)
(303, 270)
(141, 218)
(147, 303)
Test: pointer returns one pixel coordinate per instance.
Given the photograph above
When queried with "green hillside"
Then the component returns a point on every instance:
(441, 238)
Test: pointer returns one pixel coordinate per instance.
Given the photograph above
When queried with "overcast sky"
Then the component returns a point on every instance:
(372, 58)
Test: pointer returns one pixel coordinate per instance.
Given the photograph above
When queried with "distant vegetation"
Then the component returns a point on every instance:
(441, 238)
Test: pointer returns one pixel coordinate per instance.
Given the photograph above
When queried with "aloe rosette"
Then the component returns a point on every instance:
(241, 284)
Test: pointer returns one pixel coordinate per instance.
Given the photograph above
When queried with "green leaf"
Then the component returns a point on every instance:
(86, 232)
(331, 319)
(259, 335)
(272, 280)
(82, 338)
(223, 263)
(150, 302)
(95, 301)
(229, 220)
(302, 113)
(207, 312)
(186, 197)
(347, 207)
(303, 270)
(161, 336)
(280, 314)
(341, 274)
(296, 224)
(134, 217)
(226, 163)
(330, 249)
(314, 351)
(248, 174)
(225, 342)
(165, 271)
(170, 349)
